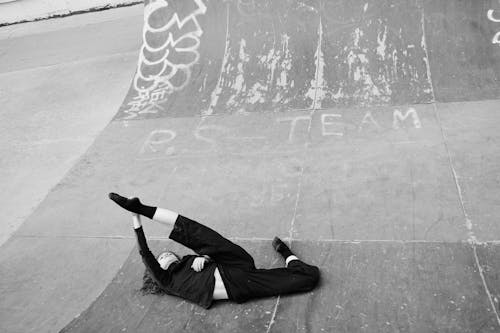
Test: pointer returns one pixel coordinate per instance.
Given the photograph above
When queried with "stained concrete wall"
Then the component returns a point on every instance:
(30, 10)
(248, 56)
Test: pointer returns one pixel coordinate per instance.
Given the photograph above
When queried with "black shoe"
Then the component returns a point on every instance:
(277, 243)
(281, 247)
(133, 205)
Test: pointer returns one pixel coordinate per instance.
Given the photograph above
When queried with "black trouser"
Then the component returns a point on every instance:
(239, 274)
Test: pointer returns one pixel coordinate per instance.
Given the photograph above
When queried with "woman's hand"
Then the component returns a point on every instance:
(199, 263)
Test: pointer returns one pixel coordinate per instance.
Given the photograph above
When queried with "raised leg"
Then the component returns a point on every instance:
(206, 241)
(134, 205)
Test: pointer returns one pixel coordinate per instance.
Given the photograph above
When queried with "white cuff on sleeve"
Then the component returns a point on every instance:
(290, 258)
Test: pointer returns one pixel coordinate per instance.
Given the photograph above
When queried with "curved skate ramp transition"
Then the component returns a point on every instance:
(222, 57)
(405, 287)
(362, 132)
(324, 117)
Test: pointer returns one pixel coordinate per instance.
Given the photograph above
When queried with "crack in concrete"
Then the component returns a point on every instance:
(301, 174)
(214, 98)
(468, 222)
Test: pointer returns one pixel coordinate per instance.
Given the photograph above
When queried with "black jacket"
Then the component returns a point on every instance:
(180, 279)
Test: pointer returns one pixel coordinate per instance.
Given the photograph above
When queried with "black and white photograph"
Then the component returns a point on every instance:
(253, 166)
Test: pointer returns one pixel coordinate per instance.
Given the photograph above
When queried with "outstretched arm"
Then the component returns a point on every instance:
(147, 256)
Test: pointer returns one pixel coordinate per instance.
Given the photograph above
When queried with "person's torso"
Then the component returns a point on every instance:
(185, 282)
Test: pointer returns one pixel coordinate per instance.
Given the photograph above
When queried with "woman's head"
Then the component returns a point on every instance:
(167, 258)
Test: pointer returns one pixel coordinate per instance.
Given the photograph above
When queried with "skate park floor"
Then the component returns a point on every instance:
(396, 204)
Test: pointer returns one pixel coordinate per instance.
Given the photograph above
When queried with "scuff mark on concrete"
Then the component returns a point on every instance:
(214, 97)
(317, 91)
(285, 66)
(238, 85)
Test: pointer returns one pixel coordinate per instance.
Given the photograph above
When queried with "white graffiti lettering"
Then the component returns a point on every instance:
(496, 38)
(491, 17)
(246, 7)
(398, 118)
(269, 195)
(367, 119)
(293, 121)
(325, 122)
(170, 48)
(210, 138)
(157, 140)
(212, 142)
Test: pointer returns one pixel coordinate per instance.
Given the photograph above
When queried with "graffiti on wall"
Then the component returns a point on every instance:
(171, 38)
(492, 18)
(288, 134)
(246, 7)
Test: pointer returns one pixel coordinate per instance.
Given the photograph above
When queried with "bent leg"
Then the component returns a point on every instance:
(205, 241)
(297, 277)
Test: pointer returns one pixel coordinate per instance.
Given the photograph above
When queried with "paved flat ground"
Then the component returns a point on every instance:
(376, 166)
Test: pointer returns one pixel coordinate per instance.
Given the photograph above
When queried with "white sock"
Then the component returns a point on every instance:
(136, 221)
(290, 258)
(163, 215)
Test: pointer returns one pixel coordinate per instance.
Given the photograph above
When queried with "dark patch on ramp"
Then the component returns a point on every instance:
(277, 55)
(208, 57)
(369, 286)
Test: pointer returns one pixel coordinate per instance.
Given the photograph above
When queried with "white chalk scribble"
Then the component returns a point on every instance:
(491, 17)
(496, 38)
(171, 38)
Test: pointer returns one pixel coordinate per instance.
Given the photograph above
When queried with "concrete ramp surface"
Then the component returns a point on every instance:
(362, 132)
(205, 58)
(370, 287)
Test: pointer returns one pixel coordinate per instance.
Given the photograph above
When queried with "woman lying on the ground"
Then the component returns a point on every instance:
(221, 269)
